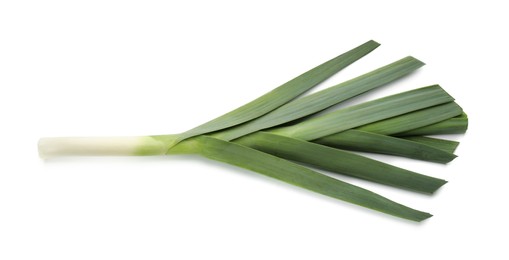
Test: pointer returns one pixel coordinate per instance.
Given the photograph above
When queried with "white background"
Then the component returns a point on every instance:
(88, 68)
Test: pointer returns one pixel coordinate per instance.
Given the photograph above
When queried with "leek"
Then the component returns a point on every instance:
(235, 138)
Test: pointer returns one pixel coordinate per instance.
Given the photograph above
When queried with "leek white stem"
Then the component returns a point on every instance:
(100, 146)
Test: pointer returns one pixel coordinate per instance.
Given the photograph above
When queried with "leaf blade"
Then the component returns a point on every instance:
(456, 125)
(340, 161)
(366, 113)
(443, 144)
(323, 99)
(297, 175)
(362, 141)
(413, 120)
(281, 94)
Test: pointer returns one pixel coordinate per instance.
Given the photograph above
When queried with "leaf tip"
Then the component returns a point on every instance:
(373, 42)
(419, 62)
(424, 216)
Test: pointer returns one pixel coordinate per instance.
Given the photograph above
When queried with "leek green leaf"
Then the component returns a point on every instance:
(340, 161)
(411, 121)
(456, 125)
(281, 169)
(281, 94)
(362, 141)
(321, 100)
(443, 144)
(365, 113)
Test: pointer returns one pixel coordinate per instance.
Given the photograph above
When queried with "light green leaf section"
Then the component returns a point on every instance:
(443, 144)
(326, 98)
(365, 113)
(282, 94)
(340, 161)
(362, 141)
(297, 175)
(456, 125)
(413, 120)
(373, 137)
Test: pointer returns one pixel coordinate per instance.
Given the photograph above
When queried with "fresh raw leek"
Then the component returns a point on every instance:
(235, 138)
